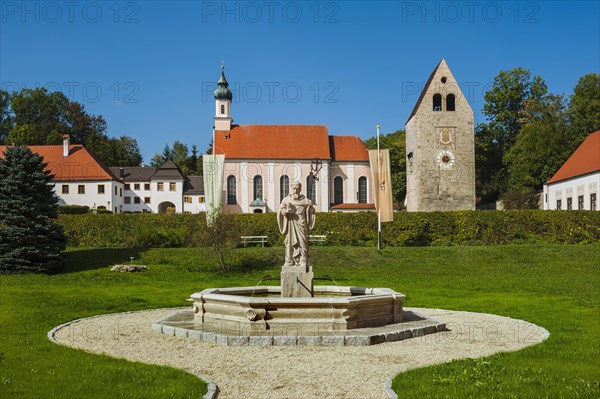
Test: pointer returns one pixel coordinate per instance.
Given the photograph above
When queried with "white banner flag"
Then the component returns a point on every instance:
(213, 172)
(382, 184)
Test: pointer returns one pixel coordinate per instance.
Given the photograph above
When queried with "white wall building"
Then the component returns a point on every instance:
(160, 190)
(575, 185)
(80, 178)
(262, 160)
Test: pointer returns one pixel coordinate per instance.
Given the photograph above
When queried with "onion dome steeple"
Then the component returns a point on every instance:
(222, 92)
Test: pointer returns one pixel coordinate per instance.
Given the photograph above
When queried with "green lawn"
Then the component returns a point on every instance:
(554, 286)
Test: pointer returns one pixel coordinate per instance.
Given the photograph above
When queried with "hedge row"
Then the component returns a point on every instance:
(360, 229)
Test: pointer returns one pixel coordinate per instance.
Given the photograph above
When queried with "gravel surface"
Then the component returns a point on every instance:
(299, 372)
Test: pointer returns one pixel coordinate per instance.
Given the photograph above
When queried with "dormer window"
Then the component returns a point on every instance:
(437, 102)
(450, 102)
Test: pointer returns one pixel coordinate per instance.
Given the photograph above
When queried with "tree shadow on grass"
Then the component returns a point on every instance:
(258, 259)
(98, 258)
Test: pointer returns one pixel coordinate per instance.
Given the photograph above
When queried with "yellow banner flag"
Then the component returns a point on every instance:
(381, 178)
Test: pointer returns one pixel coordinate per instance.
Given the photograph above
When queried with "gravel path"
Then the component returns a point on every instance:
(299, 372)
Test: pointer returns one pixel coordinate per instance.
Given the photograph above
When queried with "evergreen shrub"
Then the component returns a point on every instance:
(355, 229)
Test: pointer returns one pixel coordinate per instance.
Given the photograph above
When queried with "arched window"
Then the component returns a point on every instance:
(231, 190)
(437, 102)
(311, 188)
(222, 109)
(258, 187)
(450, 102)
(362, 190)
(284, 187)
(338, 190)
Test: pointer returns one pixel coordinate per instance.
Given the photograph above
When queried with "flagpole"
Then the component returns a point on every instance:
(378, 195)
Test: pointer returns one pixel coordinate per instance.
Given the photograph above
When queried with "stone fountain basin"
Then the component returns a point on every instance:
(261, 309)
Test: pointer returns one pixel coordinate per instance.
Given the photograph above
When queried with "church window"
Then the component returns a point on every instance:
(338, 190)
(559, 204)
(258, 187)
(222, 109)
(311, 188)
(450, 102)
(569, 203)
(362, 190)
(284, 187)
(231, 191)
(592, 201)
(580, 202)
(437, 102)
(444, 79)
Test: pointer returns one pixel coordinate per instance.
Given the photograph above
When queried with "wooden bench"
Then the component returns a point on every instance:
(317, 238)
(262, 240)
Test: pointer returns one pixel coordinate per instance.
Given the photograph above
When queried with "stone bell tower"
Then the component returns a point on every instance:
(223, 98)
(440, 149)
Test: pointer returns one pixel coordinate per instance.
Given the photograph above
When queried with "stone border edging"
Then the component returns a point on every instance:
(366, 337)
(387, 385)
(212, 388)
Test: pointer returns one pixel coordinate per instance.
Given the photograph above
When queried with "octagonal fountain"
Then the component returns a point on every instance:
(297, 312)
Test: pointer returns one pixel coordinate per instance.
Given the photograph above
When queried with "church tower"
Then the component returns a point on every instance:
(440, 149)
(223, 98)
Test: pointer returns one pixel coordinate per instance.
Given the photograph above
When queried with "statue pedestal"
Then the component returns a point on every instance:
(296, 282)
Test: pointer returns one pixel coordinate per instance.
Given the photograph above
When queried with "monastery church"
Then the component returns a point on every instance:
(262, 160)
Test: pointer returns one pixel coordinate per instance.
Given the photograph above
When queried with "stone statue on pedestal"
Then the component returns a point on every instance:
(296, 217)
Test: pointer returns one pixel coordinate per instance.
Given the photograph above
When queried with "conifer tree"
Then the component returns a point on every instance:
(29, 239)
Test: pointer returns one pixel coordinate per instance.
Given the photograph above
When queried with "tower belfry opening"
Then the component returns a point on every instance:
(440, 141)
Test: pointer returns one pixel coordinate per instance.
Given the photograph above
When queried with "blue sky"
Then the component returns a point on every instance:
(149, 67)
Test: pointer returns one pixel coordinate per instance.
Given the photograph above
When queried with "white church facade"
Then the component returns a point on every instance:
(262, 160)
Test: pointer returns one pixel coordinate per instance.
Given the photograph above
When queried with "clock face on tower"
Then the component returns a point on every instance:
(445, 159)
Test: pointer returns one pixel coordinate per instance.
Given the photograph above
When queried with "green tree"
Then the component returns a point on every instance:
(179, 155)
(540, 150)
(505, 103)
(222, 236)
(38, 117)
(396, 143)
(514, 100)
(192, 162)
(31, 135)
(42, 111)
(29, 240)
(521, 198)
(584, 106)
(6, 122)
(125, 152)
(81, 125)
(491, 178)
(159, 159)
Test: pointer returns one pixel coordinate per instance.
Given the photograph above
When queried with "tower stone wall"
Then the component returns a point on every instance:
(440, 147)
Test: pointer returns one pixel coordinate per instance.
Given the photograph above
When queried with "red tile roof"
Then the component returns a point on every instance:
(80, 165)
(585, 159)
(348, 148)
(273, 142)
